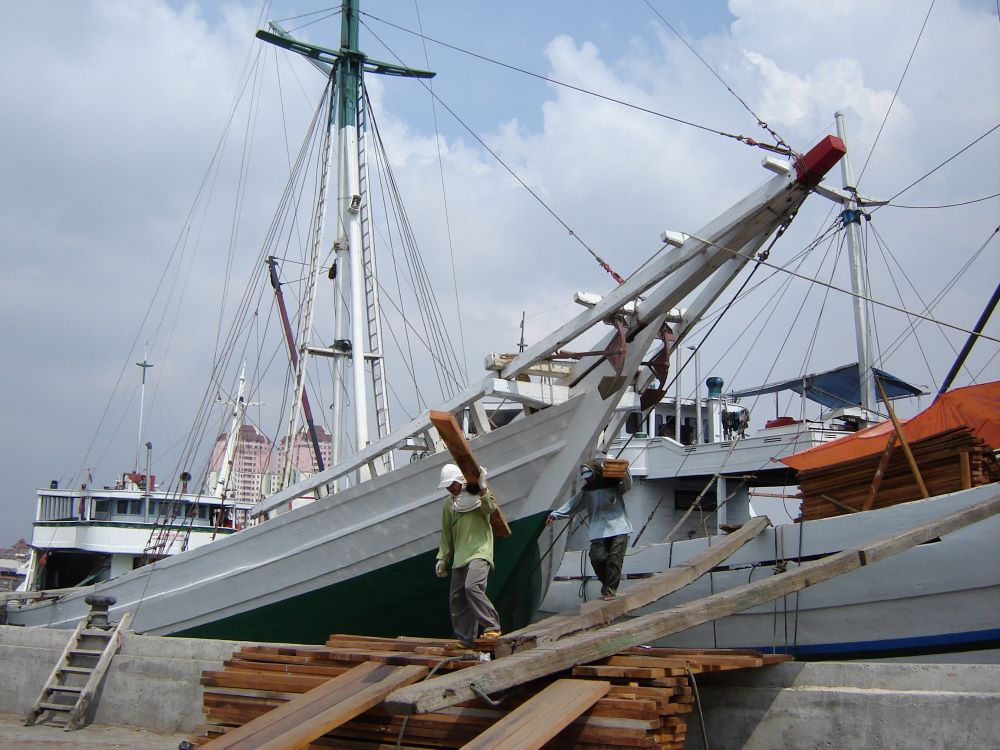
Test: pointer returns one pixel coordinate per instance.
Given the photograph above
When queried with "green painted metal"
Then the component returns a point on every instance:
(405, 598)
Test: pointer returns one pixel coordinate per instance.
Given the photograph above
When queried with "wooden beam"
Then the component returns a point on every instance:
(902, 440)
(542, 717)
(879, 472)
(454, 438)
(519, 668)
(298, 722)
(599, 612)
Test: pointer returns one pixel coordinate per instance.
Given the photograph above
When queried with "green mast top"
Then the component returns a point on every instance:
(348, 63)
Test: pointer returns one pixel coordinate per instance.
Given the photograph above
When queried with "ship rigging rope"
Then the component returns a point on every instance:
(813, 280)
(895, 93)
(603, 263)
(439, 343)
(746, 140)
(444, 202)
(929, 306)
(782, 146)
(948, 205)
(935, 169)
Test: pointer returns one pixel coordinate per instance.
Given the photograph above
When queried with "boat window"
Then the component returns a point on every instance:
(102, 510)
(135, 507)
(122, 507)
(683, 499)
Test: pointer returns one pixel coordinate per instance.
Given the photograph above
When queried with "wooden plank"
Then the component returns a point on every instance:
(636, 596)
(296, 723)
(882, 464)
(522, 667)
(539, 719)
(458, 446)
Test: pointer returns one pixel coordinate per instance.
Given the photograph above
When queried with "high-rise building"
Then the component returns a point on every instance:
(256, 470)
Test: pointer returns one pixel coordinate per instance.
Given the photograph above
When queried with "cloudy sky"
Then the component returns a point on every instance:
(114, 112)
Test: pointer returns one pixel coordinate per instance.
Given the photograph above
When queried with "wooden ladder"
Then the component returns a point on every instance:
(78, 673)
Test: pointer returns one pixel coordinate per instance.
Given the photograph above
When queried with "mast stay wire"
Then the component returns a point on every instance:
(785, 148)
(421, 286)
(848, 292)
(935, 169)
(906, 68)
(929, 306)
(551, 211)
(179, 249)
(746, 140)
(444, 200)
(887, 255)
(291, 196)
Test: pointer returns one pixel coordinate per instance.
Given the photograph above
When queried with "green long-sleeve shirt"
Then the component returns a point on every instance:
(466, 536)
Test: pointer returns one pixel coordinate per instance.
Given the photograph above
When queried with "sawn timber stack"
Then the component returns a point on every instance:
(639, 698)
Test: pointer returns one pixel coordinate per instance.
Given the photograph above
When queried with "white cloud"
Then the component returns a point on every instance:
(116, 107)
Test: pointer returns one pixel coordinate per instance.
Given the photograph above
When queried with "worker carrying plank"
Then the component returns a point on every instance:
(467, 545)
(602, 497)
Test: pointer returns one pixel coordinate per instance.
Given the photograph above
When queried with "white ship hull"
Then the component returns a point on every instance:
(938, 597)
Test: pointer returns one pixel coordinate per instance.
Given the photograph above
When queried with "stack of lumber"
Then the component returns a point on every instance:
(949, 461)
(645, 694)
(614, 468)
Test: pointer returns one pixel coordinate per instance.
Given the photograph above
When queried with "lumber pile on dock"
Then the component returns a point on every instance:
(640, 697)
(949, 461)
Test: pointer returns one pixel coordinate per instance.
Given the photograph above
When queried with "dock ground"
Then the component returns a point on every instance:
(15, 736)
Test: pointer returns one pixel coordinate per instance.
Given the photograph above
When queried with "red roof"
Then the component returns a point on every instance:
(976, 406)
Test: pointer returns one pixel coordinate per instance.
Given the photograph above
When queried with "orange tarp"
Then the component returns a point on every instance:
(976, 406)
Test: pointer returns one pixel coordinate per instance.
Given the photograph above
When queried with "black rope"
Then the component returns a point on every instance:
(782, 146)
(895, 93)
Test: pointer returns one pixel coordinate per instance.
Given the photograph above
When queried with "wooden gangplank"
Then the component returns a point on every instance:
(542, 717)
(600, 612)
(518, 668)
(311, 715)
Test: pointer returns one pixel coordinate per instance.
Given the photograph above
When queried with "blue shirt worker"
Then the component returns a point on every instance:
(467, 546)
(603, 501)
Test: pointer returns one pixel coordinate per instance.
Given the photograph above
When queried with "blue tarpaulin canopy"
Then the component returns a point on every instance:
(835, 388)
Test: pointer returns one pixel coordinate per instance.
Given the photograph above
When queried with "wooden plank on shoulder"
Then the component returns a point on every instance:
(542, 717)
(453, 437)
(311, 715)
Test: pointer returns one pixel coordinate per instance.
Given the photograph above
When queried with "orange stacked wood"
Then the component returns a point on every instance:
(648, 697)
(948, 462)
(614, 468)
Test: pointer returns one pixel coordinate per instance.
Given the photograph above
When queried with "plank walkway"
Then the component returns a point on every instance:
(637, 698)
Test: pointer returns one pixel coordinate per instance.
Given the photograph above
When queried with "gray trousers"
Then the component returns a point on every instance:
(469, 605)
(607, 556)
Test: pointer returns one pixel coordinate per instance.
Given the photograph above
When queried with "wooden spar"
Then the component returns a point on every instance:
(453, 437)
(599, 613)
(522, 667)
(902, 441)
(879, 472)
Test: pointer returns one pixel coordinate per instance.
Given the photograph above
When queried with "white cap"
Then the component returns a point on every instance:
(586, 472)
(450, 473)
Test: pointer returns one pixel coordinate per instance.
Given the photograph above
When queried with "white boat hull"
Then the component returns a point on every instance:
(277, 579)
(937, 597)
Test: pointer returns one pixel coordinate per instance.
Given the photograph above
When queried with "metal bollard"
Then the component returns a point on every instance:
(99, 605)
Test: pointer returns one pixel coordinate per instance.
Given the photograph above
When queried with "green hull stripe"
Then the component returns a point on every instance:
(404, 598)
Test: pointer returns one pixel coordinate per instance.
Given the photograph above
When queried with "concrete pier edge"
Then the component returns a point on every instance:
(154, 684)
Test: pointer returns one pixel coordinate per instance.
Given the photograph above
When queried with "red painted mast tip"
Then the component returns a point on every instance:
(810, 168)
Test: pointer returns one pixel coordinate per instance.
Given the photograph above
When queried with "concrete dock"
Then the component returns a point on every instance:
(152, 698)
